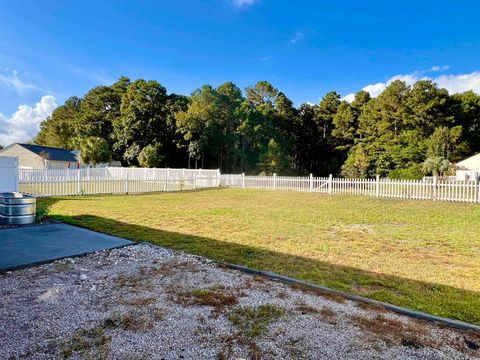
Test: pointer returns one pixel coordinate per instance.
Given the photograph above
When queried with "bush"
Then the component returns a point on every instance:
(43, 209)
(413, 172)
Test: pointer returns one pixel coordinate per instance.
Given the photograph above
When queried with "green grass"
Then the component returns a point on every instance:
(422, 255)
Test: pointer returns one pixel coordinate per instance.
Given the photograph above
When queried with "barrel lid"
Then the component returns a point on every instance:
(11, 195)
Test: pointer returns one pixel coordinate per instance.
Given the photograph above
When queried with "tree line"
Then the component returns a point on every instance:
(405, 132)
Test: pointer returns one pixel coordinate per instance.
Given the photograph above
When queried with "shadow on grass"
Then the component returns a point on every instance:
(432, 298)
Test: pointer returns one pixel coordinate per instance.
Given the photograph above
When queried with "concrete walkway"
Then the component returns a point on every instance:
(32, 245)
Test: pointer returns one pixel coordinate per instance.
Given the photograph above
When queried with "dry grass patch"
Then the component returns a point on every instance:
(138, 302)
(254, 321)
(416, 334)
(218, 297)
(396, 333)
(88, 344)
(129, 321)
(319, 292)
(371, 307)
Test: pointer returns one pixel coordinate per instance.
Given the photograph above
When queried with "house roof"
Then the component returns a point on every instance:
(55, 154)
(471, 163)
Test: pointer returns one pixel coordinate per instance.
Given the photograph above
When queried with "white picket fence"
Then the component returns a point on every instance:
(109, 180)
(434, 189)
(113, 180)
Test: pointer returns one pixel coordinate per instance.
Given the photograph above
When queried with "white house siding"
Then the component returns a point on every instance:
(26, 158)
(29, 160)
(469, 169)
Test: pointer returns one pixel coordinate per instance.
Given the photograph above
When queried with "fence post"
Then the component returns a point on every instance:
(79, 185)
(165, 188)
(243, 180)
(330, 183)
(274, 181)
(311, 182)
(194, 181)
(478, 191)
(218, 177)
(377, 186)
(434, 184)
(17, 175)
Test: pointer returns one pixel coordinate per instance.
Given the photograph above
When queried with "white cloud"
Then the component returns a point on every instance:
(297, 37)
(12, 81)
(455, 83)
(24, 123)
(349, 98)
(439, 68)
(241, 3)
(460, 83)
(374, 89)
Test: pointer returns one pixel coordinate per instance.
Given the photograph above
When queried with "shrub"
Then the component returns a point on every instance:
(43, 209)
(414, 172)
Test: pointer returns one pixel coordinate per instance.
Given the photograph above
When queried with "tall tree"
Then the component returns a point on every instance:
(95, 150)
(142, 120)
(326, 111)
(58, 129)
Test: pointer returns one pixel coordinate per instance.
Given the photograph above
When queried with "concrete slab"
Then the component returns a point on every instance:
(33, 245)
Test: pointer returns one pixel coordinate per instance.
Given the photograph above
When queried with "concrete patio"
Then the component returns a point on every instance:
(32, 245)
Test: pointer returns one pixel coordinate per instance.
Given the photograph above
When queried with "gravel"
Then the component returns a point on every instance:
(146, 302)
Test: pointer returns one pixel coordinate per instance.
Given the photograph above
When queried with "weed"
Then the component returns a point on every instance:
(128, 321)
(305, 309)
(254, 321)
(62, 266)
(216, 297)
(159, 314)
(328, 315)
(371, 307)
(88, 343)
(139, 302)
(319, 292)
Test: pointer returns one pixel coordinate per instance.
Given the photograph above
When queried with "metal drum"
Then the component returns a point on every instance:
(17, 209)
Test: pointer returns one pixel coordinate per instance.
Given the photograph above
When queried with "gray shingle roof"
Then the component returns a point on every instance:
(55, 154)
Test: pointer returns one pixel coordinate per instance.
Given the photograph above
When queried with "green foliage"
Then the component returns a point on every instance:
(43, 210)
(260, 130)
(95, 150)
(274, 160)
(58, 129)
(436, 166)
(413, 172)
(254, 321)
(150, 156)
(357, 164)
(444, 142)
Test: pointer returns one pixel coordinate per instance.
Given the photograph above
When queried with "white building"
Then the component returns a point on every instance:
(469, 169)
(41, 157)
(32, 156)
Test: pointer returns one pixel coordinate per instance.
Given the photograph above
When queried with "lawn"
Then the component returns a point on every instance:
(422, 255)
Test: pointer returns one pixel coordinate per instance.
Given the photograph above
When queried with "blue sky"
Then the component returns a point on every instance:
(51, 50)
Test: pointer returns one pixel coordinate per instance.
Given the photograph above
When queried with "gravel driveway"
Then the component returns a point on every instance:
(145, 302)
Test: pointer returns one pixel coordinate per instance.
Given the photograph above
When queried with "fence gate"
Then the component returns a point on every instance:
(8, 174)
